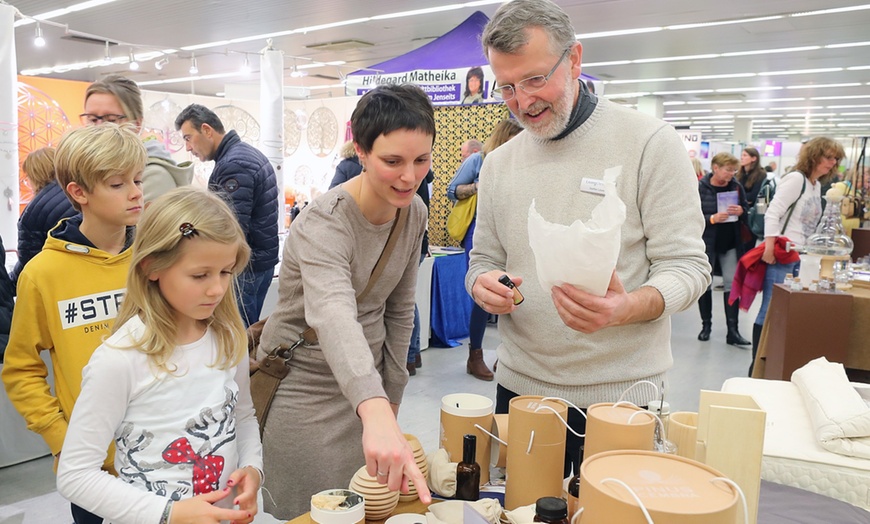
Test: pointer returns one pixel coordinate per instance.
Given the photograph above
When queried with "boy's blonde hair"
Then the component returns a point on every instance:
(157, 247)
(39, 168)
(91, 154)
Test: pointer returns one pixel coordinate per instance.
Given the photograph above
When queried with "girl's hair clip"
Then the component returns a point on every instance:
(187, 230)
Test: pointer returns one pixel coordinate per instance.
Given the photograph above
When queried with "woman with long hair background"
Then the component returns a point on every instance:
(750, 176)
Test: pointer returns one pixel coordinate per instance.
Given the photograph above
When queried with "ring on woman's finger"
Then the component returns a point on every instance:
(381, 474)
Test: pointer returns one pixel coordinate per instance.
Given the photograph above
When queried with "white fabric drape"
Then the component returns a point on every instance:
(272, 118)
(8, 130)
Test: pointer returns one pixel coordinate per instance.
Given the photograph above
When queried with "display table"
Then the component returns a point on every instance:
(403, 507)
(777, 505)
(451, 305)
(801, 326)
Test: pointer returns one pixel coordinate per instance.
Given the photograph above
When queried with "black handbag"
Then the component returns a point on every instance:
(755, 217)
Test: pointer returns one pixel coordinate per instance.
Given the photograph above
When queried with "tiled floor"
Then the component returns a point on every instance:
(697, 365)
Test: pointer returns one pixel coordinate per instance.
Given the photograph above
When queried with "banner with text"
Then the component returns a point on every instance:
(692, 141)
(461, 86)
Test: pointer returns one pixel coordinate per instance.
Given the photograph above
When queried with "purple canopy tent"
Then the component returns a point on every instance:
(440, 67)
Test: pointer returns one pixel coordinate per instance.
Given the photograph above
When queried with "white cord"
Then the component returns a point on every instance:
(502, 442)
(531, 440)
(571, 404)
(633, 495)
(625, 403)
(642, 412)
(564, 422)
(266, 491)
(634, 385)
(575, 515)
(739, 492)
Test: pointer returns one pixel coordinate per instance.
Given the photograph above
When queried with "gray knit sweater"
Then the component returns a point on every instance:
(328, 259)
(661, 247)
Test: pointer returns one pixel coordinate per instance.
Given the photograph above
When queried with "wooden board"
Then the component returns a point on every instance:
(731, 440)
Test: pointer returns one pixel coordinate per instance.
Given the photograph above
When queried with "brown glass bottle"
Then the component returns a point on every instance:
(551, 510)
(468, 471)
(574, 490)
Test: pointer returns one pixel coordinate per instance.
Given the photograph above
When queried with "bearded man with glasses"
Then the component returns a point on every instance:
(564, 342)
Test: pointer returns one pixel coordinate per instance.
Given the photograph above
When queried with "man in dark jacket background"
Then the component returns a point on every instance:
(245, 176)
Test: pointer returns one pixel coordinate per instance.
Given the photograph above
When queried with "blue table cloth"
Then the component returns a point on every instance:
(451, 305)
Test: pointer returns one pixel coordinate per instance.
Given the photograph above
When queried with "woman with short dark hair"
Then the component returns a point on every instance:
(337, 408)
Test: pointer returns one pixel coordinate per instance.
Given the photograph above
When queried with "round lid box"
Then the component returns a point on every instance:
(673, 489)
(351, 511)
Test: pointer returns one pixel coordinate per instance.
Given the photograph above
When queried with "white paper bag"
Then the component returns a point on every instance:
(582, 254)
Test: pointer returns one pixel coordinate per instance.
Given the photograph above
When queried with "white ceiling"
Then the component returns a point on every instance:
(164, 24)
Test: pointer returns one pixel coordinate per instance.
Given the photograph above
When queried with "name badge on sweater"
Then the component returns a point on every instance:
(591, 185)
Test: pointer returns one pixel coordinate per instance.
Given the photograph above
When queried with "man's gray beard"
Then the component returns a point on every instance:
(561, 113)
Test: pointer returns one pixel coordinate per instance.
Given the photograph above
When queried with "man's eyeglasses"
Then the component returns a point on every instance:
(731, 171)
(92, 120)
(529, 85)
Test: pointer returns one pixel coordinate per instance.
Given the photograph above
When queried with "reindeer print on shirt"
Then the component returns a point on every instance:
(193, 459)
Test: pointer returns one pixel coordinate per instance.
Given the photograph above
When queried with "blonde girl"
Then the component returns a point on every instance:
(170, 386)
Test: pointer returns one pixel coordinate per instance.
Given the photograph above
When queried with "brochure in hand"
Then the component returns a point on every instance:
(726, 199)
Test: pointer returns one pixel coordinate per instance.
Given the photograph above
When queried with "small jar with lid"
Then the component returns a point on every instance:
(551, 510)
(796, 284)
(814, 286)
(789, 279)
(825, 285)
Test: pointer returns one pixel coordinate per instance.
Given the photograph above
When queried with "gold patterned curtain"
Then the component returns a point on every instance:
(455, 125)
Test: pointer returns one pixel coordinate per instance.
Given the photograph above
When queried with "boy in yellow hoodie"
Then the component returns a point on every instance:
(69, 293)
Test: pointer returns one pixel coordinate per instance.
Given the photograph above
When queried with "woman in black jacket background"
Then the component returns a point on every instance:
(722, 239)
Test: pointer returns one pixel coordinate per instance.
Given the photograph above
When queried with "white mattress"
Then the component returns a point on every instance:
(792, 456)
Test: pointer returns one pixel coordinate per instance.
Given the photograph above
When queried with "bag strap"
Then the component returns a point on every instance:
(792, 206)
(309, 336)
(860, 164)
(395, 231)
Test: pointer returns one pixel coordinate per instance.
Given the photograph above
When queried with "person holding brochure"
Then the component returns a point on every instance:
(723, 202)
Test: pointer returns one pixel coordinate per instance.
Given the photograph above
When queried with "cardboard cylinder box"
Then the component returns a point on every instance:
(460, 414)
(683, 432)
(535, 451)
(608, 428)
(673, 489)
(500, 430)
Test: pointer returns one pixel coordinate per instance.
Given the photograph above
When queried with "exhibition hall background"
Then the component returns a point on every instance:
(314, 131)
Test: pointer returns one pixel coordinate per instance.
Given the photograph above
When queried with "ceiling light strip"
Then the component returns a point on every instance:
(832, 11)
(824, 86)
(60, 12)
